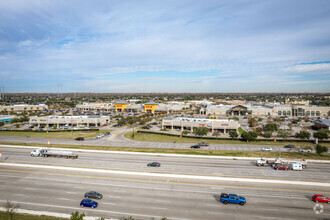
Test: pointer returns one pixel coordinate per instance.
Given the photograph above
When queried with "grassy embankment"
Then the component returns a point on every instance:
(44, 134)
(28, 217)
(187, 151)
(163, 138)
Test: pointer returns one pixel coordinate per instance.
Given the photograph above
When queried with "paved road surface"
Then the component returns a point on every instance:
(146, 197)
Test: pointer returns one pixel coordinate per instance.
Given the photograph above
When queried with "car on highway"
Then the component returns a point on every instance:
(282, 167)
(203, 144)
(80, 139)
(321, 198)
(266, 149)
(100, 136)
(195, 146)
(289, 146)
(88, 203)
(232, 198)
(93, 195)
(153, 164)
(305, 150)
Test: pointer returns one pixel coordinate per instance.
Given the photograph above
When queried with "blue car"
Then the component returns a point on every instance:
(88, 203)
(232, 198)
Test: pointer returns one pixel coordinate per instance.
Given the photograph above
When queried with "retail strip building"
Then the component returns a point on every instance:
(221, 125)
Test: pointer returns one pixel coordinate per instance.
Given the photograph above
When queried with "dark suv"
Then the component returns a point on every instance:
(195, 146)
(80, 138)
(93, 195)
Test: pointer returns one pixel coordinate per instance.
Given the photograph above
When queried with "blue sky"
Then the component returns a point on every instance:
(165, 46)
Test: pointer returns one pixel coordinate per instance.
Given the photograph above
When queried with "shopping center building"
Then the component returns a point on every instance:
(274, 111)
(72, 121)
(181, 123)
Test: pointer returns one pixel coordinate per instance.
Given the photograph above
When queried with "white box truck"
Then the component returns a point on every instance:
(53, 153)
(296, 166)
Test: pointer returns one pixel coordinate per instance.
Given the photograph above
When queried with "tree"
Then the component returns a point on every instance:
(271, 127)
(77, 216)
(303, 135)
(127, 218)
(267, 134)
(290, 126)
(253, 122)
(185, 132)
(283, 134)
(321, 149)
(17, 125)
(9, 208)
(201, 131)
(233, 134)
(216, 133)
(321, 135)
(249, 136)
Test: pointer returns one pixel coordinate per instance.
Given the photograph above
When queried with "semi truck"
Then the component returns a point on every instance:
(280, 161)
(53, 153)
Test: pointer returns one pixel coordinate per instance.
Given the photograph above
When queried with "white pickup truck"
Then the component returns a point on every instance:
(53, 153)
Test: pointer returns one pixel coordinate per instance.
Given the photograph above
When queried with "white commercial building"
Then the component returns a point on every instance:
(73, 121)
(221, 125)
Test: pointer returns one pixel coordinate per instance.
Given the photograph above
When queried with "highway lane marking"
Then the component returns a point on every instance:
(28, 188)
(108, 203)
(156, 208)
(116, 197)
(162, 201)
(166, 182)
(166, 172)
(71, 192)
(93, 210)
(19, 194)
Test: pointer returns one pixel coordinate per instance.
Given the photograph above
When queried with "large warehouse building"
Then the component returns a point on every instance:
(23, 107)
(221, 125)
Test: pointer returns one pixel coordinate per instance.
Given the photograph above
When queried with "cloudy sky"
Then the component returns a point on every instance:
(165, 46)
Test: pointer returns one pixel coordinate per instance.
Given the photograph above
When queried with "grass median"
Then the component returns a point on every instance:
(60, 134)
(15, 216)
(189, 151)
(163, 138)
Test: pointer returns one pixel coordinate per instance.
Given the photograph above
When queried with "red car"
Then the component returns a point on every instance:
(320, 198)
(281, 167)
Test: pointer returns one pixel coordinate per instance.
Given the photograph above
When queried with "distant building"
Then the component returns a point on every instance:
(274, 111)
(6, 118)
(23, 107)
(289, 101)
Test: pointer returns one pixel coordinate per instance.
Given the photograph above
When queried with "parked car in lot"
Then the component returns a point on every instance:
(93, 195)
(195, 146)
(282, 167)
(88, 203)
(232, 198)
(153, 164)
(289, 146)
(80, 139)
(320, 198)
(203, 144)
(266, 149)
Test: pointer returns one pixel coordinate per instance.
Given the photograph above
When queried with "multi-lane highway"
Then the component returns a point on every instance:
(187, 196)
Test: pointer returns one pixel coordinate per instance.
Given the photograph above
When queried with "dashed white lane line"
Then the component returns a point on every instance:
(64, 199)
(28, 188)
(108, 203)
(116, 197)
(162, 201)
(71, 193)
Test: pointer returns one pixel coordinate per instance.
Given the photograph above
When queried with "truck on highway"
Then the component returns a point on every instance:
(262, 162)
(53, 153)
(280, 161)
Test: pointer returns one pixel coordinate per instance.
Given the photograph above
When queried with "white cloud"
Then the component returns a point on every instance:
(310, 68)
